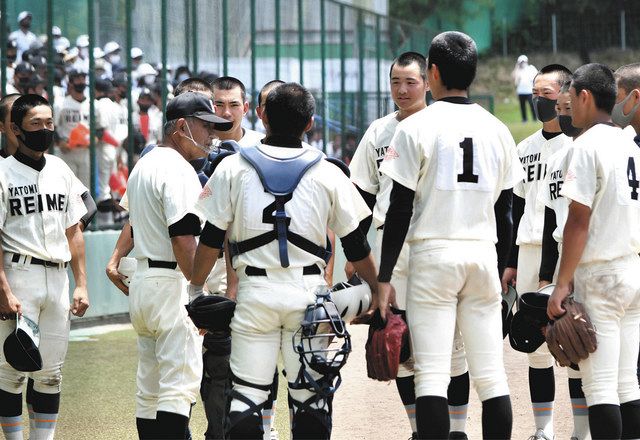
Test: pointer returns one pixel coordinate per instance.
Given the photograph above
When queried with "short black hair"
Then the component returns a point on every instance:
(6, 103)
(23, 104)
(193, 84)
(628, 77)
(289, 108)
(229, 83)
(268, 87)
(564, 88)
(563, 74)
(599, 81)
(456, 56)
(409, 58)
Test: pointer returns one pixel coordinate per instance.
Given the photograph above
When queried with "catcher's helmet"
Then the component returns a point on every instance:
(352, 297)
(323, 343)
(526, 334)
(211, 312)
(21, 346)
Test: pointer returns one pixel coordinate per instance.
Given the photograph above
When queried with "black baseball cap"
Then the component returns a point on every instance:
(104, 86)
(21, 346)
(526, 334)
(195, 105)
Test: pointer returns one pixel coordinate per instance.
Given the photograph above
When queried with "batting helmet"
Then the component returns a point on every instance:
(525, 334)
(21, 346)
(211, 312)
(352, 297)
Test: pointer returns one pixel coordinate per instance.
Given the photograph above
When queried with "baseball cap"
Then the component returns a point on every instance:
(104, 85)
(76, 72)
(526, 334)
(136, 52)
(196, 105)
(97, 52)
(23, 15)
(82, 41)
(55, 31)
(21, 346)
(111, 46)
(523, 58)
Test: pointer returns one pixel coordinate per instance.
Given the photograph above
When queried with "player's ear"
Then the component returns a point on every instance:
(309, 125)
(245, 107)
(15, 129)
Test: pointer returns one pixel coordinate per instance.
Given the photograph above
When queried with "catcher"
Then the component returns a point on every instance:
(601, 256)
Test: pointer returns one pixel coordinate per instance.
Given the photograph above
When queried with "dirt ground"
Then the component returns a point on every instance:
(371, 410)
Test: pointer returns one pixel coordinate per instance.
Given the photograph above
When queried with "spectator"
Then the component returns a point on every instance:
(148, 119)
(82, 61)
(22, 77)
(523, 75)
(334, 147)
(315, 139)
(12, 56)
(136, 59)
(349, 148)
(112, 56)
(23, 37)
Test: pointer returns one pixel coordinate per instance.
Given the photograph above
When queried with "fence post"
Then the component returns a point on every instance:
(277, 39)
(225, 37)
(253, 64)
(623, 31)
(187, 40)
(343, 104)
(50, 63)
(504, 36)
(323, 63)
(361, 54)
(163, 55)
(194, 34)
(128, 37)
(92, 93)
(554, 34)
(301, 41)
(3, 55)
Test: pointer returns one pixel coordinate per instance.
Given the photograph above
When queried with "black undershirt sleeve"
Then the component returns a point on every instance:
(355, 245)
(187, 225)
(90, 204)
(212, 236)
(518, 210)
(396, 226)
(549, 247)
(504, 227)
(370, 200)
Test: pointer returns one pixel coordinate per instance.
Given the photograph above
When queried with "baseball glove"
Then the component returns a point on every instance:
(211, 312)
(384, 346)
(572, 337)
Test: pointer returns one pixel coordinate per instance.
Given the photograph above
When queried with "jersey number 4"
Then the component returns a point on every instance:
(633, 180)
(467, 162)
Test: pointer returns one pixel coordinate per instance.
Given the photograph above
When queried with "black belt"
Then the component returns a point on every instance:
(252, 271)
(38, 261)
(163, 264)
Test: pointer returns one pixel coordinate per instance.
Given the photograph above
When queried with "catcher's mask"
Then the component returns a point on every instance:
(352, 297)
(21, 346)
(323, 344)
(526, 334)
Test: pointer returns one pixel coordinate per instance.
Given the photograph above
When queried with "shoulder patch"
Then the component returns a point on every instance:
(391, 154)
(206, 192)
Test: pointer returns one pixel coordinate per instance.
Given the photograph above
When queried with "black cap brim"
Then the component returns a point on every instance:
(525, 336)
(21, 352)
(220, 123)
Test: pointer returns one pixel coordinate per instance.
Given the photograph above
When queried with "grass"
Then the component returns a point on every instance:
(98, 392)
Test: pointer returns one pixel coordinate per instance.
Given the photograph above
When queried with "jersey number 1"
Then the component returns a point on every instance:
(467, 162)
(631, 177)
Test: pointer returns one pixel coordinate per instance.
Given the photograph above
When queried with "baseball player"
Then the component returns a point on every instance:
(408, 83)
(230, 99)
(277, 279)
(600, 257)
(160, 194)
(525, 255)
(555, 216)
(40, 211)
(453, 165)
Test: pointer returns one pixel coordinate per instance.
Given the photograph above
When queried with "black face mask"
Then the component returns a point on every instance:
(123, 95)
(24, 80)
(79, 87)
(39, 140)
(544, 108)
(567, 127)
(12, 58)
(144, 108)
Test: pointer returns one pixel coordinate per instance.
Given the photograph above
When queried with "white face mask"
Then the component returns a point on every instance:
(149, 80)
(114, 59)
(209, 148)
(182, 77)
(84, 52)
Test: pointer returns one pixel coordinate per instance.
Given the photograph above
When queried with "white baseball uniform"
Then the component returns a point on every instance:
(457, 158)
(111, 115)
(36, 209)
(250, 138)
(67, 116)
(549, 193)
(364, 167)
(270, 308)
(603, 175)
(162, 189)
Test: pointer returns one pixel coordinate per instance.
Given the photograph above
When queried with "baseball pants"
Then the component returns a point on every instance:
(169, 347)
(399, 280)
(269, 311)
(610, 292)
(78, 161)
(529, 256)
(455, 281)
(44, 295)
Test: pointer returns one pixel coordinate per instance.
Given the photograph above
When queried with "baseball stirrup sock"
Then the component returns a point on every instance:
(543, 417)
(458, 398)
(458, 418)
(42, 425)
(497, 418)
(605, 421)
(12, 427)
(579, 410)
(630, 412)
(406, 389)
(432, 417)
